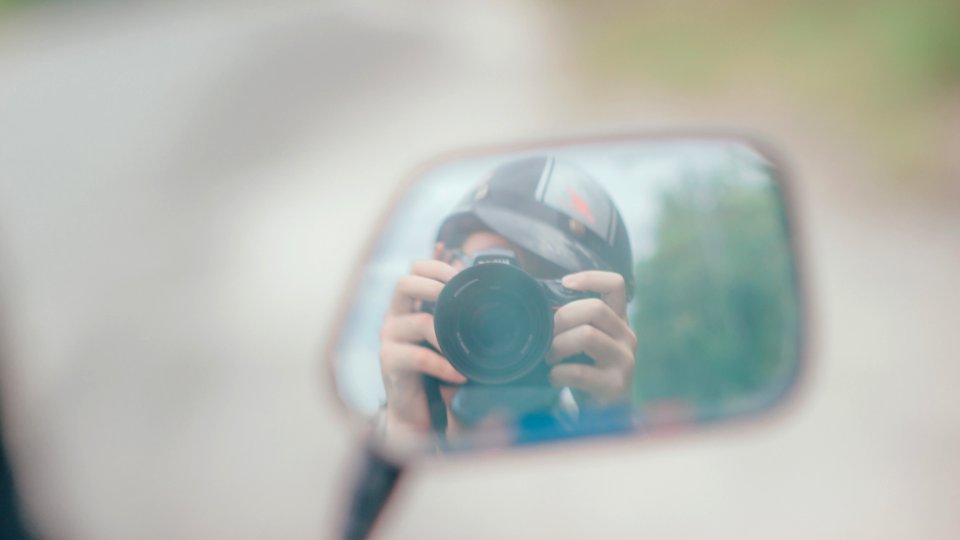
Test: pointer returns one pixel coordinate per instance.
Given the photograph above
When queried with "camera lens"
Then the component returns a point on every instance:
(493, 323)
(493, 326)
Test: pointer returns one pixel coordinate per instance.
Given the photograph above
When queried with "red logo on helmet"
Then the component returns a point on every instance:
(581, 206)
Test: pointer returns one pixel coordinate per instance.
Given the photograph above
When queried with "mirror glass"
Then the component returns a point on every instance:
(562, 291)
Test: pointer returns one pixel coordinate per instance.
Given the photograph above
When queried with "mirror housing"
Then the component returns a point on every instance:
(704, 322)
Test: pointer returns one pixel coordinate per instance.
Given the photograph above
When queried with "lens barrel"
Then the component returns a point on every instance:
(493, 323)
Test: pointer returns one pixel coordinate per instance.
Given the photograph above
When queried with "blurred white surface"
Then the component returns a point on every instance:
(184, 191)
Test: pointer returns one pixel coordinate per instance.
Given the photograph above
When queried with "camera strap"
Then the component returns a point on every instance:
(436, 407)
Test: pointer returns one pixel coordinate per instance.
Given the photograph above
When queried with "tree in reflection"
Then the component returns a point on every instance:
(715, 302)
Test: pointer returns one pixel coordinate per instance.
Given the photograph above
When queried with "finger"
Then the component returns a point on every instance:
(600, 347)
(595, 312)
(433, 269)
(412, 288)
(410, 328)
(610, 285)
(396, 356)
(596, 381)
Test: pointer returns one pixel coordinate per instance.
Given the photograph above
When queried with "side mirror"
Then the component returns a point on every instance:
(690, 312)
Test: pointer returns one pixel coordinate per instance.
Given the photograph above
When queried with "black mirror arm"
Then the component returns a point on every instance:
(376, 482)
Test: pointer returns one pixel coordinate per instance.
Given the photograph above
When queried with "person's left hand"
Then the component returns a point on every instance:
(598, 328)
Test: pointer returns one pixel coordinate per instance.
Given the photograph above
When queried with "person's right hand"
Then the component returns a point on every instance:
(403, 358)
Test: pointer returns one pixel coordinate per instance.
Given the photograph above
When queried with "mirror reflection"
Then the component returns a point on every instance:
(566, 291)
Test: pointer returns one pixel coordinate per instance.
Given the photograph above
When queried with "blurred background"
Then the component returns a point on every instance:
(185, 188)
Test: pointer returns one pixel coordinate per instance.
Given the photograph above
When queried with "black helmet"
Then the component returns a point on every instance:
(551, 208)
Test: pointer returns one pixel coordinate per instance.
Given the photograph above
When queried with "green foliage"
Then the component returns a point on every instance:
(715, 304)
(8, 7)
(885, 72)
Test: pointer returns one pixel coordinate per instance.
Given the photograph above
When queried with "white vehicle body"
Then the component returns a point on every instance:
(184, 192)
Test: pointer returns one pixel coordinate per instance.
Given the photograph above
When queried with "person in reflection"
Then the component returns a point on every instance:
(558, 224)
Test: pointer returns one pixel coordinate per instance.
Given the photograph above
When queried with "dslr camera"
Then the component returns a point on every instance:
(494, 321)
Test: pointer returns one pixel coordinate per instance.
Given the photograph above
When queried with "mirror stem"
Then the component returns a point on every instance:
(376, 482)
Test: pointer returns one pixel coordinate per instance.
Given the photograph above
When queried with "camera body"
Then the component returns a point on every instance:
(494, 323)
